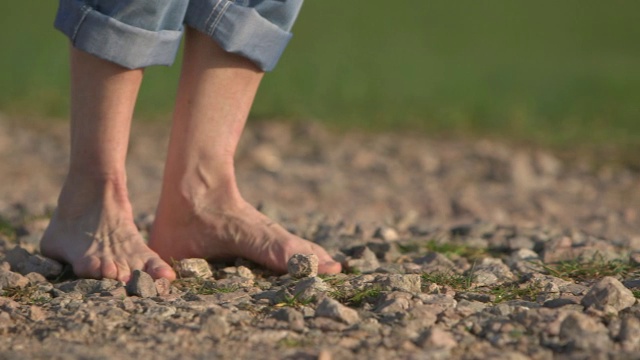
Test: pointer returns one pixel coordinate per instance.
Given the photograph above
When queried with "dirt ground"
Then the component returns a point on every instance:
(348, 192)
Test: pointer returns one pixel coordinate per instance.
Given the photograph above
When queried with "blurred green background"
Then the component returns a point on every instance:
(552, 73)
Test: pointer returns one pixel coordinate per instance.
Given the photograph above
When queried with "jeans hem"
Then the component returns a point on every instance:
(263, 42)
(113, 40)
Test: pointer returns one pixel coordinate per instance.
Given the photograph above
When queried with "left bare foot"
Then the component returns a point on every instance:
(227, 230)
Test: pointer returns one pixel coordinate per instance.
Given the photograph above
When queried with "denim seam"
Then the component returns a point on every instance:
(85, 11)
(217, 21)
(213, 11)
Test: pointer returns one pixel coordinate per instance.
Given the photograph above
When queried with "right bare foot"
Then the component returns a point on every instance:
(93, 231)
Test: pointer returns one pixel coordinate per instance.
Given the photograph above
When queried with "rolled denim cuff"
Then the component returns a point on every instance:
(240, 30)
(115, 41)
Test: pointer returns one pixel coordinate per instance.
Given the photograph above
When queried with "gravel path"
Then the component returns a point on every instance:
(452, 249)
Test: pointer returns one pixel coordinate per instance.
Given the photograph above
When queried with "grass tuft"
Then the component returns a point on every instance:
(588, 269)
(357, 297)
(450, 279)
(24, 295)
(514, 291)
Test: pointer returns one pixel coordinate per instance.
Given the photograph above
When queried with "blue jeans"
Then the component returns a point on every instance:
(140, 33)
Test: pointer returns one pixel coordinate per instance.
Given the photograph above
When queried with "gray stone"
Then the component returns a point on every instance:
(363, 260)
(436, 337)
(24, 263)
(83, 286)
(394, 302)
(582, 332)
(197, 268)
(36, 278)
(492, 271)
(310, 288)
(525, 261)
(163, 286)
(442, 301)
(609, 292)
(245, 272)
(386, 233)
(292, 317)
(384, 251)
(436, 262)
(215, 326)
(558, 249)
(303, 265)
(411, 283)
(141, 284)
(12, 279)
(332, 309)
(630, 334)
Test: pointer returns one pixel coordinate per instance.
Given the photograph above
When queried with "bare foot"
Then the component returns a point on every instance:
(230, 230)
(97, 236)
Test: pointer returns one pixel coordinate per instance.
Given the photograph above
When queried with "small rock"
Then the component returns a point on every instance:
(11, 279)
(436, 337)
(387, 252)
(310, 288)
(332, 309)
(386, 233)
(245, 272)
(215, 326)
(198, 268)
(36, 278)
(363, 260)
(303, 265)
(238, 271)
(163, 286)
(394, 302)
(525, 261)
(630, 334)
(580, 331)
(609, 291)
(436, 262)
(294, 318)
(491, 271)
(23, 262)
(141, 284)
(411, 283)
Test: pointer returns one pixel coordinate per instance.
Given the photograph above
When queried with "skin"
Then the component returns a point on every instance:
(201, 211)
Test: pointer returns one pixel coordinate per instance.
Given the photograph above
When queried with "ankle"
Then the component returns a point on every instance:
(197, 191)
(81, 192)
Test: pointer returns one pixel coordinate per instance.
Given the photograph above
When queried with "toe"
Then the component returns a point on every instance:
(326, 263)
(329, 267)
(88, 267)
(124, 271)
(109, 269)
(157, 268)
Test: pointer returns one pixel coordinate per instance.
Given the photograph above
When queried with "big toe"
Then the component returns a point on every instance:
(329, 267)
(157, 268)
(326, 264)
(89, 267)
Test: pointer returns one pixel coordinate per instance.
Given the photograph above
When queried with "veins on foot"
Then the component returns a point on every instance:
(227, 231)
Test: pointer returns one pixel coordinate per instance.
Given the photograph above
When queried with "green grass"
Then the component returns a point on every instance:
(553, 73)
(7, 229)
(589, 269)
(24, 295)
(296, 301)
(455, 281)
(356, 297)
(514, 291)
